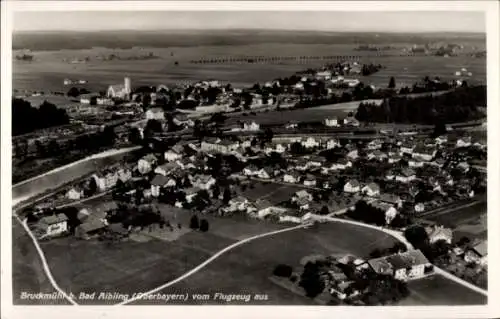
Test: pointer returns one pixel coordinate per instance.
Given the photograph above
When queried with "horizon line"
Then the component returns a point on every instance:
(251, 29)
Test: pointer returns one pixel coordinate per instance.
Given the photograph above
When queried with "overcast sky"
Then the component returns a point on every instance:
(324, 21)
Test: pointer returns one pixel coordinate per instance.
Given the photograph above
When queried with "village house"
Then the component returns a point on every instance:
(332, 143)
(203, 181)
(464, 166)
(238, 203)
(439, 163)
(341, 164)
(391, 199)
(477, 254)
(216, 145)
(92, 227)
(167, 168)
(440, 140)
(105, 180)
(316, 161)
(374, 145)
(145, 164)
(53, 225)
(292, 177)
(424, 153)
(191, 193)
(301, 165)
(251, 126)
(310, 142)
(159, 182)
(124, 174)
(174, 153)
(406, 175)
(464, 141)
(277, 148)
(394, 158)
(264, 208)
(75, 193)
(310, 180)
(351, 121)
(352, 155)
(90, 98)
(403, 266)
(251, 170)
(415, 163)
(407, 147)
(378, 155)
(389, 210)
(331, 122)
(302, 204)
(186, 163)
(436, 233)
(291, 125)
(155, 113)
(183, 120)
(302, 194)
(352, 186)
(265, 173)
(371, 190)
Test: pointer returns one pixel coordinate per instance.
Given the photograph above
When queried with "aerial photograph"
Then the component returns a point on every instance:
(249, 158)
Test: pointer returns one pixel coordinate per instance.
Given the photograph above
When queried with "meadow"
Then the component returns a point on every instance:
(48, 70)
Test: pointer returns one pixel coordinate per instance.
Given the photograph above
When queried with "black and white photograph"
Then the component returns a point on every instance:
(238, 157)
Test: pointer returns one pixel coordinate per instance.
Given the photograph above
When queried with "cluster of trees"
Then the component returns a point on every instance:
(311, 278)
(383, 290)
(368, 214)
(459, 105)
(418, 237)
(397, 248)
(197, 224)
(75, 92)
(26, 119)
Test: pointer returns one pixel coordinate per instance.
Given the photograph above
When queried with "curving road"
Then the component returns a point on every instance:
(209, 260)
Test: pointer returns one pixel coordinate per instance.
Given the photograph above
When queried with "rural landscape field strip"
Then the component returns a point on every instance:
(208, 261)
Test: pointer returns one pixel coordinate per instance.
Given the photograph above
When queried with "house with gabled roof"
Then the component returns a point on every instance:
(392, 199)
(146, 163)
(436, 233)
(203, 181)
(53, 225)
(371, 189)
(159, 182)
(406, 175)
(310, 180)
(405, 266)
(478, 253)
(464, 141)
(407, 147)
(352, 186)
(175, 153)
(291, 177)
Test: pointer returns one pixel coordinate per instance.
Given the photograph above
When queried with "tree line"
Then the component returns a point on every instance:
(26, 118)
(459, 105)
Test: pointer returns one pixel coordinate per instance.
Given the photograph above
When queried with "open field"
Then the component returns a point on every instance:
(460, 216)
(48, 70)
(247, 268)
(128, 267)
(436, 290)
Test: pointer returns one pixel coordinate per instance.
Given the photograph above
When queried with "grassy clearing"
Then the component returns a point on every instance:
(247, 268)
(464, 215)
(437, 290)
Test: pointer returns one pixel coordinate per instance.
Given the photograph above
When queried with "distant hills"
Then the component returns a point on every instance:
(125, 39)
